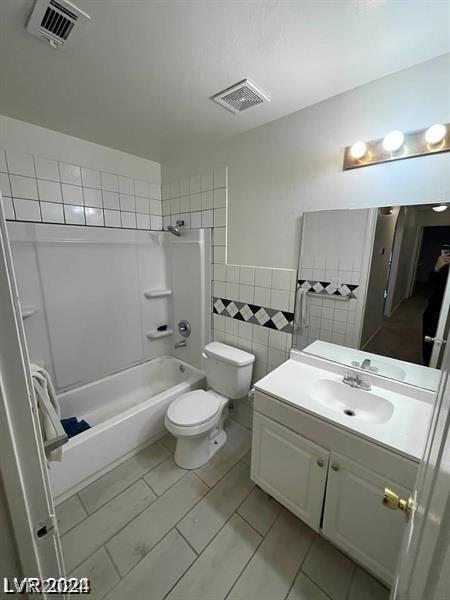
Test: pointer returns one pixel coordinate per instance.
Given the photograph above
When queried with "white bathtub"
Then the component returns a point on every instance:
(126, 412)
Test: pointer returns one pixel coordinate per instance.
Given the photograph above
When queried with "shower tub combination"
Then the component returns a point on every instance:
(126, 412)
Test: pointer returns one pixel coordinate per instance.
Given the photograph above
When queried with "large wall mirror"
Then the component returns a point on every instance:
(373, 290)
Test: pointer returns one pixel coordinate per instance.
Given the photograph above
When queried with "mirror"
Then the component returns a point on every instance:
(373, 290)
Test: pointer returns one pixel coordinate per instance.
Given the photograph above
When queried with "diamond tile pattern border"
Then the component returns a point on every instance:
(327, 288)
(280, 320)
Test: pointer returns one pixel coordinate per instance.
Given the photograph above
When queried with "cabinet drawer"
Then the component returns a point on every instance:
(290, 468)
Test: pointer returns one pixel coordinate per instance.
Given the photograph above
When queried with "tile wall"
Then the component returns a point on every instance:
(333, 271)
(331, 317)
(41, 190)
(252, 306)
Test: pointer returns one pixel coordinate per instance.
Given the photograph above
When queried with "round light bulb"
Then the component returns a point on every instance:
(358, 150)
(393, 141)
(440, 208)
(435, 134)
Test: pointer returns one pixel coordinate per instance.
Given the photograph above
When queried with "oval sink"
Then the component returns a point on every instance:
(352, 402)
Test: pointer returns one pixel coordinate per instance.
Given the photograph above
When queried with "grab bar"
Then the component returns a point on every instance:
(332, 296)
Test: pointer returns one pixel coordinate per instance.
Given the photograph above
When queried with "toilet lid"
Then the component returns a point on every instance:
(193, 408)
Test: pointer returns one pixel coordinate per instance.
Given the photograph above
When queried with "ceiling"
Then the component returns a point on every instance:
(140, 76)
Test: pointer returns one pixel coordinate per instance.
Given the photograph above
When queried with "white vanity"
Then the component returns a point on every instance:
(327, 450)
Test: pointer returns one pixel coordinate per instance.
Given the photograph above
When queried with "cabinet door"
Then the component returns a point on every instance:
(290, 468)
(356, 519)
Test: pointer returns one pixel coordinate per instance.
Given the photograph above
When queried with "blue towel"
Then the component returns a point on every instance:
(72, 426)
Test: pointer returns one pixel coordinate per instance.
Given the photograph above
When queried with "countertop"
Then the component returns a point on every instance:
(406, 430)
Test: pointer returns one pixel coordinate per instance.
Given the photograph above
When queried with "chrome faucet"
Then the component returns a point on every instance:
(181, 344)
(356, 381)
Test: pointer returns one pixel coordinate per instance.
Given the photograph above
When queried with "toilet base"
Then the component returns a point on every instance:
(194, 452)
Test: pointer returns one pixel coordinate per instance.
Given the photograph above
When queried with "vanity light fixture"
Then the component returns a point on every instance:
(397, 145)
(440, 207)
(393, 141)
(435, 134)
(358, 150)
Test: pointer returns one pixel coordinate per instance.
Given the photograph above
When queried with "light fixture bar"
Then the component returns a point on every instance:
(413, 144)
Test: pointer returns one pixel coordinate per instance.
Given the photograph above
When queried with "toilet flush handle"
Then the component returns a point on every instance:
(205, 356)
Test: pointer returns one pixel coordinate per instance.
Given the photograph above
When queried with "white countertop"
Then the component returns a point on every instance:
(406, 430)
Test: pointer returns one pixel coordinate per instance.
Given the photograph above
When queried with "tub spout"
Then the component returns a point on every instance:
(181, 344)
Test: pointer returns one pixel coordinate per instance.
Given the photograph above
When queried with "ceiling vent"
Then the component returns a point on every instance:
(241, 96)
(56, 21)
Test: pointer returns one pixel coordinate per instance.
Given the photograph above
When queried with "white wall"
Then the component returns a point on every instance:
(51, 177)
(294, 164)
(189, 257)
(9, 559)
(335, 250)
(87, 287)
(25, 137)
(379, 267)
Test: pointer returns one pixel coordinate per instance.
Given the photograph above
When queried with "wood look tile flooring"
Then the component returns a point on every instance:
(149, 530)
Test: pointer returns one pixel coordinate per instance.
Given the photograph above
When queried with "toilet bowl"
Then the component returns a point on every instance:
(196, 419)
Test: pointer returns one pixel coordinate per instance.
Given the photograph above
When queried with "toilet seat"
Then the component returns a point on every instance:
(194, 409)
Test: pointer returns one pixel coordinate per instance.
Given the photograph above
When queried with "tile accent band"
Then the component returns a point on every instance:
(272, 318)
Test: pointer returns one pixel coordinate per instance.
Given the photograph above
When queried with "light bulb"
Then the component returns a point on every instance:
(440, 208)
(435, 134)
(358, 150)
(393, 141)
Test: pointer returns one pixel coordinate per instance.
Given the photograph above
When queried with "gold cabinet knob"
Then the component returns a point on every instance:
(393, 501)
(335, 467)
(320, 462)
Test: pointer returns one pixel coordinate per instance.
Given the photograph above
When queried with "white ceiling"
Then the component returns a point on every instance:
(140, 77)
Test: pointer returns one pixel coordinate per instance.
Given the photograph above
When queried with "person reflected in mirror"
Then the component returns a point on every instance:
(438, 281)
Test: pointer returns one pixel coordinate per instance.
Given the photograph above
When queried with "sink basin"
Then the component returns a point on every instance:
(352, 402)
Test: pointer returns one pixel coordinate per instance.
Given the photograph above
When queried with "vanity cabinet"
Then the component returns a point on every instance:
(308, 465)
(355, 519)
(290, 468)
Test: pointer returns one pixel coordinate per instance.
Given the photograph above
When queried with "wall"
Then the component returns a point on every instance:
(379, 269)
(333, 265)
(292, 165)
(46, 176)
(86, 287)
(252, 306)
(189, 257)
(9, 559)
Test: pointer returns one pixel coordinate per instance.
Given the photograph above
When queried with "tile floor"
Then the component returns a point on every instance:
(148, 530)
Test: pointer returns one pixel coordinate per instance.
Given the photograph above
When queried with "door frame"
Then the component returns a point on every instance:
(424, 558)
(23, 463)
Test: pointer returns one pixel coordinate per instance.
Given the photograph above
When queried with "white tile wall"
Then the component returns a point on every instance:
(201, 201)
(27, 210)
(330, 320)
(38, 189)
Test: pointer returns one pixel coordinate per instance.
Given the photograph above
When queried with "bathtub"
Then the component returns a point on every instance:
(126, 412)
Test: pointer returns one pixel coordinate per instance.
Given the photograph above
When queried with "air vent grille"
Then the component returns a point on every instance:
(55, 21)
(241, 96)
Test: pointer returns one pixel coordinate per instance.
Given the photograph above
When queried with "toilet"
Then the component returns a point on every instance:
(196, 419)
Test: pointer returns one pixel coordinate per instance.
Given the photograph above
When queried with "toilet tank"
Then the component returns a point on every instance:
(228, 370)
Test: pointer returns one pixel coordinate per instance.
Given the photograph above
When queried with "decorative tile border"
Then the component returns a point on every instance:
(328, 288)
(251, 313)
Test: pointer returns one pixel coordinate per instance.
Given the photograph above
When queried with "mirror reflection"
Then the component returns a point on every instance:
(373, 291)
